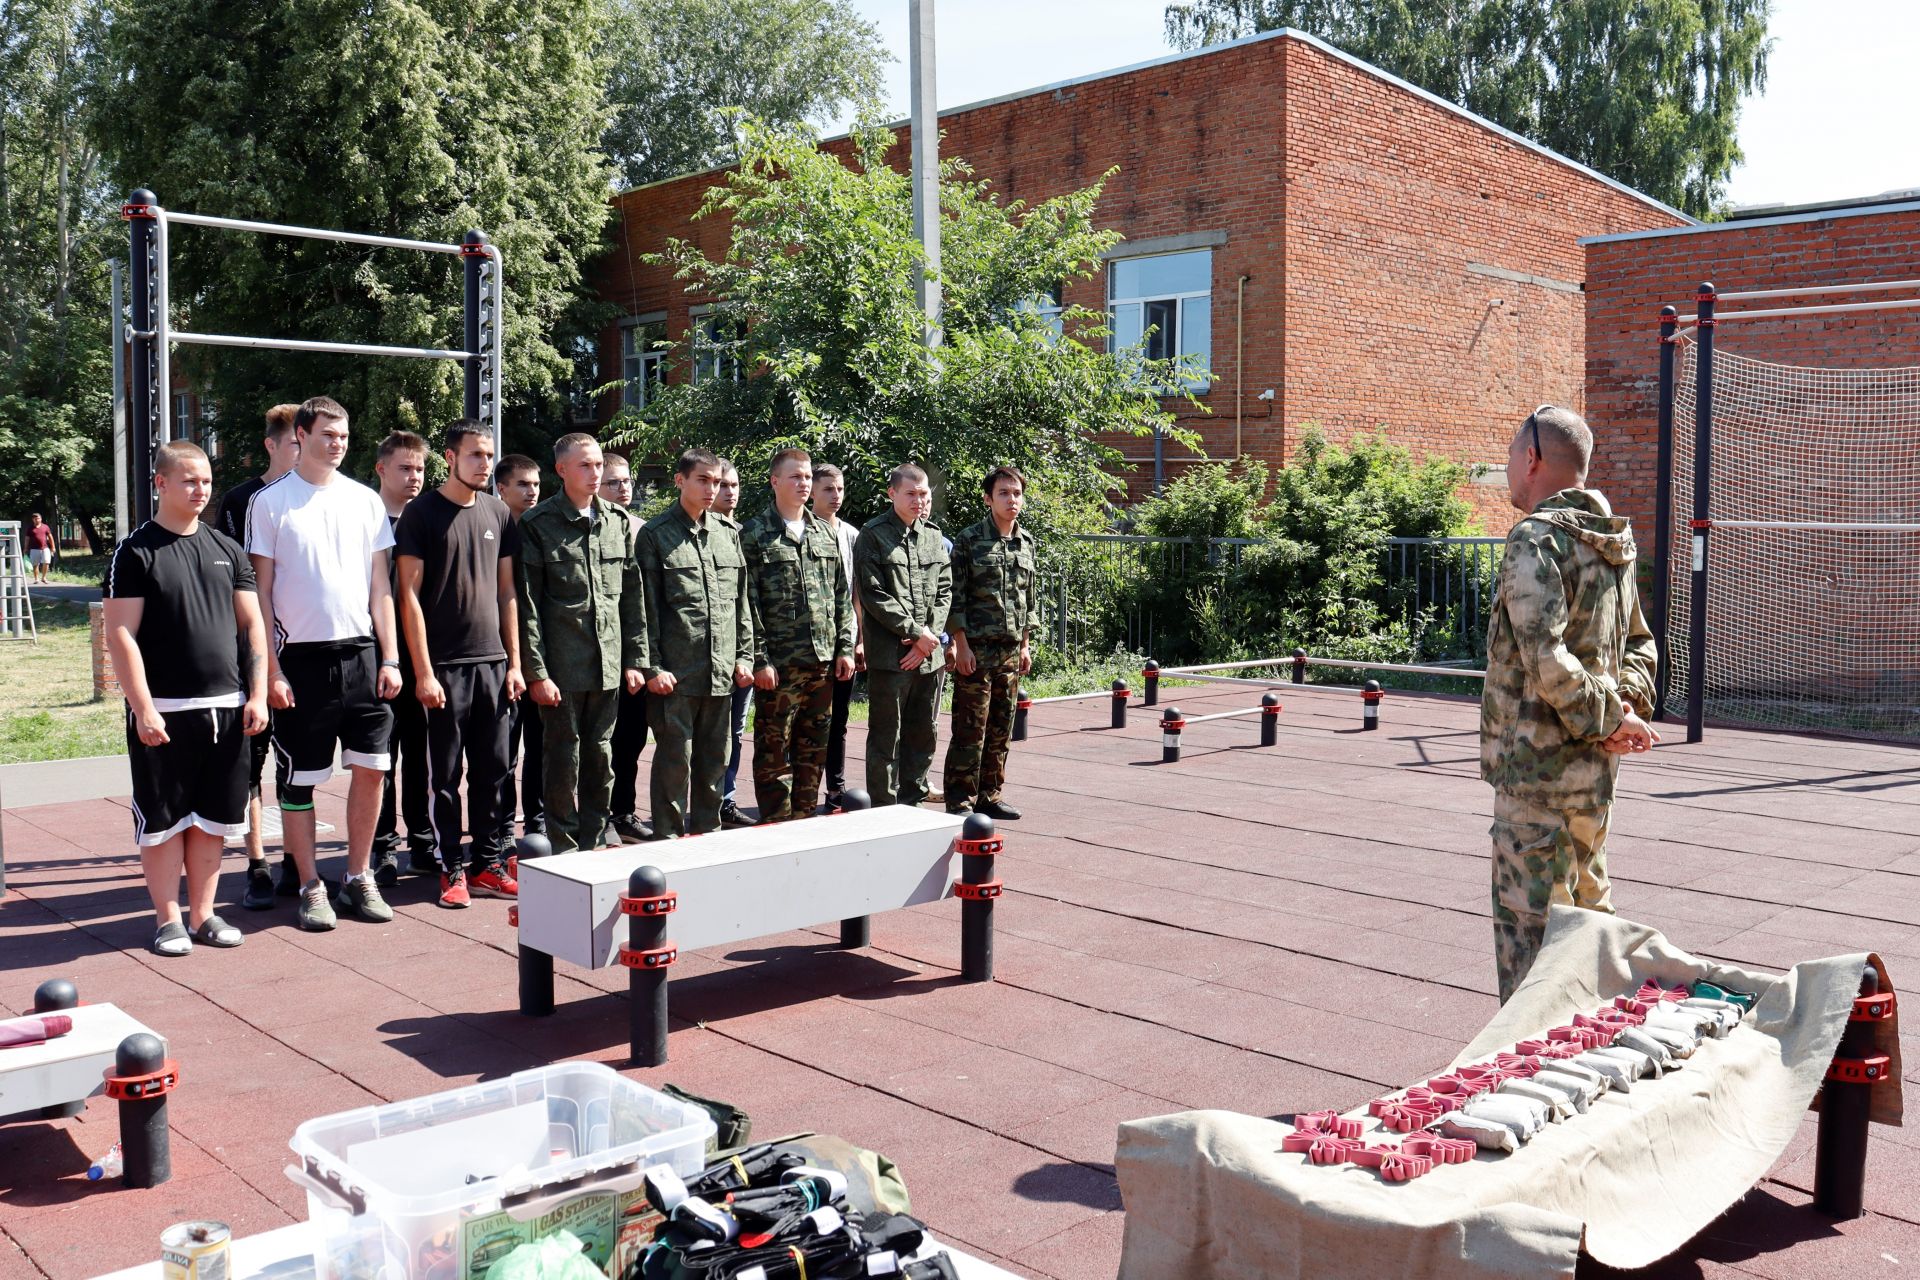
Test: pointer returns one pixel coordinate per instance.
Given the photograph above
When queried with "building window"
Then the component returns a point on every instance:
(716, 348)
(582, 405)
(182, 416)
(1048, 307)
(643, 363)
(1170, 294)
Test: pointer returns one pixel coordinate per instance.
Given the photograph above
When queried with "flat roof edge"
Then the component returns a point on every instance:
(1281, 33)
(1823, 215)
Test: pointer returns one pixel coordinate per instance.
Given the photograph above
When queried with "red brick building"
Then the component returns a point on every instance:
(1369, 254)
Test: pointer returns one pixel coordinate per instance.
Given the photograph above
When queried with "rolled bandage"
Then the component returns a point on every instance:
(1525, 1116)
(1558, 1102)
(1658, 1055)
(1488, 1135)
(1697, 1023)
(1637, 1063)
(1728, 1013)
(1679, 1044)
(1582, 1090)
(1618, 1074)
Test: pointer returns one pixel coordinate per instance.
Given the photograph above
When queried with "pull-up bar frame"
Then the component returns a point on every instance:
(151, 336)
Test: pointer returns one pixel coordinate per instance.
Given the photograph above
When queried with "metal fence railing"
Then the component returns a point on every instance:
(1102, 591)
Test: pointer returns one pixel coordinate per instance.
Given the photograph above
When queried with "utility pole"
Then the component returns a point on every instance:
(925, 119)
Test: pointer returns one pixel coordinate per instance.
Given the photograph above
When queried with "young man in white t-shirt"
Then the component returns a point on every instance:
(320, 545)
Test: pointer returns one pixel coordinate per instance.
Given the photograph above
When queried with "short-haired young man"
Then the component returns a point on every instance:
(282, 453)
(803, 623)
(178, 595)
(700, 646)
(726, 502)
(39, 536)
(829, 495)
(993, 571)
(320, 544)
(583, 637)
(456, 548)
(516, 478)
(630, 723)
(1570, 671)
(905, 586)
(401, 468)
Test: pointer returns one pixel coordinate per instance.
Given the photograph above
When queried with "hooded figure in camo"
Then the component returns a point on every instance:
(1570, 684)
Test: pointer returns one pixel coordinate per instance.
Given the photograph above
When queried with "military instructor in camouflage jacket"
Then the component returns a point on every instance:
(993, 567)
(1570, 671)
(583, 637)
(700, 646)
(905, 587)
(803, 623)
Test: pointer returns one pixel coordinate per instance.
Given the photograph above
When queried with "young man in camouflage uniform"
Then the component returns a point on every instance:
(583, 637)
(700, 637)
(803, 620)
(905, 586)
(1570, 669)
(993, 567)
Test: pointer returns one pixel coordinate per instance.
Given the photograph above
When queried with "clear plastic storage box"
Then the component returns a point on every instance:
(442, 1187)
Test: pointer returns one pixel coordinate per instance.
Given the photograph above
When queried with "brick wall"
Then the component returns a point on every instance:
(1373, 227)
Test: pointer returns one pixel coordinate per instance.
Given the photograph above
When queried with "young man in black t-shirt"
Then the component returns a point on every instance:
(457, 610)
(181, 606)
(282, 452)
(401, 471)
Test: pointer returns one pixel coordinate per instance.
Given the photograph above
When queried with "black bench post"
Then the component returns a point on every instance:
(855, 931)
(646, 957)
(1840, 1153)
(142, 1078)
(977, 888)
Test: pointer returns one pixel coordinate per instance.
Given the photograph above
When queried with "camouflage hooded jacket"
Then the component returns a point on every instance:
(1567, 651)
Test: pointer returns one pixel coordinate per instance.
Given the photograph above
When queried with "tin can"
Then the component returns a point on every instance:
(196, 1251)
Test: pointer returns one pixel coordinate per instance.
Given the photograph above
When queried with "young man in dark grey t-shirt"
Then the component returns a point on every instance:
(458, 609)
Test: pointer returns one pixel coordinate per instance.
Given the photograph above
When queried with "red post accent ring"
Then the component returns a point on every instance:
(656, 958)
(1024, 703)
(150, 1085)
(980, 848)
(1699, 524)
(473, 250)
(1870, 1070)
(659, 906)
(513, 915)
(131, 212)
(1273, 710)
(1876, 1008)
(1172, 726)
(977, 892)
(1121, 695)
(1373, 695)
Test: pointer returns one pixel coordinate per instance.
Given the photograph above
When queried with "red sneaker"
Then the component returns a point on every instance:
(453, 890)
(495, 882)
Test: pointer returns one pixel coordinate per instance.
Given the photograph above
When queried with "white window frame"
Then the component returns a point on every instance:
(643, 360)
(183, 415)
(1180, 301)
(583, 406)
(1050, 307)
(702, 341)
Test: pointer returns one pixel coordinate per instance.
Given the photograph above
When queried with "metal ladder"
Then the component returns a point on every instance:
(16, 604)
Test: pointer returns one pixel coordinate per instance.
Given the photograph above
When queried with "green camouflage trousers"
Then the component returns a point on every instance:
(790, 723)
(982, 725)
(1542, 856)
(690, 752)
(903, 717)
(576, 737)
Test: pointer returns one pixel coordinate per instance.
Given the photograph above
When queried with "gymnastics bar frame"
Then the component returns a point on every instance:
(1706, 319)
(147, 389)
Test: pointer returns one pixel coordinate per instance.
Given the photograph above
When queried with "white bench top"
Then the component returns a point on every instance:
(66, 1068)
(748, 883)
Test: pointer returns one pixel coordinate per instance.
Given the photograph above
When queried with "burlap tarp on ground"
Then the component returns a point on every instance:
(1210, 1194)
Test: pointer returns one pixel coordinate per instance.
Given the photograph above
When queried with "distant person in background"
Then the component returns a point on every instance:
(829, 492)
(39, 546)
(517, 480)
(282, 452)
(1569, 688)
(630, 723)
(181, 607)
(726, 501)
(402, 471)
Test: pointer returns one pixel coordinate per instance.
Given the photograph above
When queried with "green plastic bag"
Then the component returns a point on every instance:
(556, 1257)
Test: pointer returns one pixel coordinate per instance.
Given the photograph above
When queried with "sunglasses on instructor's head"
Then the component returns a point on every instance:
(1533, 424)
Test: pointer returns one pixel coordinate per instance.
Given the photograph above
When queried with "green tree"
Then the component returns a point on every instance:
(1646, 91)
(684, 72)
(55, 225)
(417, 120)
(814, 303)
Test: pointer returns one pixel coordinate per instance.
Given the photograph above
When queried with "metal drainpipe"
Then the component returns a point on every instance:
(1239, 358)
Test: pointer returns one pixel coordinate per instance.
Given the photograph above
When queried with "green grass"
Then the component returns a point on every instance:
(47, 710)
(74, 569)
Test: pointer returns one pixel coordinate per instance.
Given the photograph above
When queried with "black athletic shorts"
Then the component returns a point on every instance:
(197, 778)
(334, 702)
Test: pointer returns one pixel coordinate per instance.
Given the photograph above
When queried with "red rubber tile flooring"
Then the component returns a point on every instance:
(1266, 930)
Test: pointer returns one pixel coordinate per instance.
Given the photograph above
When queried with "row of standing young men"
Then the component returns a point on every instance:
(612, 629)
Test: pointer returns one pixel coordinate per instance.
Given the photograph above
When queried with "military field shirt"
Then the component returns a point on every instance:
(802, 601)
(905, 584)
(582, 610)
(993, 577)
(1568, 651)
(699, 620)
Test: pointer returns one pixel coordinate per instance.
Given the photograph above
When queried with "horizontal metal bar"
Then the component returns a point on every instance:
(1445, 542)
(1406, 667)
(1276, 684)
(1769, 313)
(1074, 697)
(1835, 525)
(296, 344)
(1225, 715)
(1809, 291)
(1226, 666)
(307, 233)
